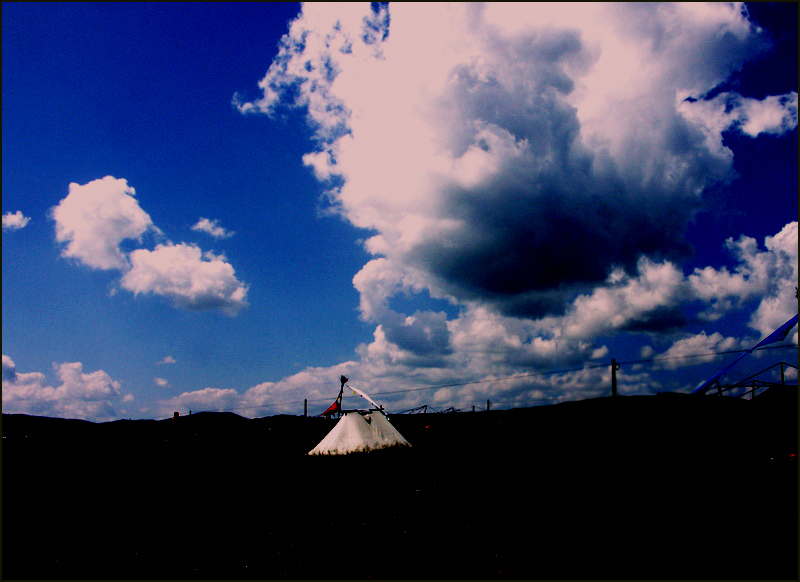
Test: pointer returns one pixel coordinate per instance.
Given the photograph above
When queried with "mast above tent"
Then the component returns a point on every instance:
(336, 407)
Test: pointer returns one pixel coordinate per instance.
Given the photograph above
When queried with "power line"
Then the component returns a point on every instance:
(527, 375)
(564, 371)
(705, 355)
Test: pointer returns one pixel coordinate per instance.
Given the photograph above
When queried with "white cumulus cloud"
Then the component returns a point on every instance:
(14, 221)
(533, 165)
(768, 275)
(91, 396)
(212, 228)
(182, 273)
(473, 138)
(686, 350)
(775, 114)
(95, 218)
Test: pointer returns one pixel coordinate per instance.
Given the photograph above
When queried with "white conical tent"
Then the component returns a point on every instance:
(360, 431)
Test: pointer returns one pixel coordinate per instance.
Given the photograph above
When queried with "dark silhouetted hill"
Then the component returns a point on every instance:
(670, 486)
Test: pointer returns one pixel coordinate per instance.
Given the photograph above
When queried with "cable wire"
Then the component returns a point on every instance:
(517, 376)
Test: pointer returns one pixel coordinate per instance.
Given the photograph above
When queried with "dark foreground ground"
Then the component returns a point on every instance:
(662, 487)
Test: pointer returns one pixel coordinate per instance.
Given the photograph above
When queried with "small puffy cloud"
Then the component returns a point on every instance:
(95, 218)
(168, 360)
(14, 221)
(774, 114)
(161, 382)
(212, 228)
(191, 279)
(89, 396)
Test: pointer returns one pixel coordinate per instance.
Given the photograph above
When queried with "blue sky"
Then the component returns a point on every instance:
(227, 206)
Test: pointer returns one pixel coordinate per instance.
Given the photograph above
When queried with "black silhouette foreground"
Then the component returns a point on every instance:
(658, 487)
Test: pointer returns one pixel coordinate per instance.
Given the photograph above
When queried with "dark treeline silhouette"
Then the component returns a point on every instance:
(668, 486)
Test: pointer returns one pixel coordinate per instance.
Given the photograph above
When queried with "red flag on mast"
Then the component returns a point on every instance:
(334, 408)
(337, 405)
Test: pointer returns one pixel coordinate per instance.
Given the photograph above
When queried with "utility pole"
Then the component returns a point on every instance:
(614, 368)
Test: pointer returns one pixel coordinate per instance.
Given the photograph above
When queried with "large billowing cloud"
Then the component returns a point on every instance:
(96, 218)
(532, 164)
(535, 167)
(512, 154)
